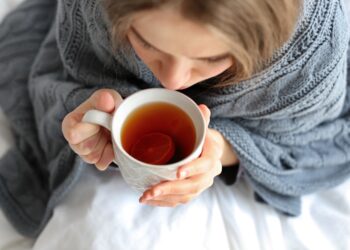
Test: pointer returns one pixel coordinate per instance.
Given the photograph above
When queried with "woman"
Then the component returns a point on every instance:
(272, 74)
(193, 42)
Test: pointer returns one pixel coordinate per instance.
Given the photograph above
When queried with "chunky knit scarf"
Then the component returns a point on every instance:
(289, 124)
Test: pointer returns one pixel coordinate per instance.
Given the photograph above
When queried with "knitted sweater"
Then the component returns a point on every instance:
(289, 124)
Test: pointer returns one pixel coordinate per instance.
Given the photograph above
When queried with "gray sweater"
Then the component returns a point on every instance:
(289, 124)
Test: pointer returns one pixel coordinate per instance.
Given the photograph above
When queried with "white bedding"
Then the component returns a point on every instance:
(101, 212)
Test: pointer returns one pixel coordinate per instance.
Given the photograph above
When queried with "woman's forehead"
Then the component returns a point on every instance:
(168, 31)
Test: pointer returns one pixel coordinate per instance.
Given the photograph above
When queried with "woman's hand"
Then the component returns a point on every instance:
(92, 142)
(194, 177)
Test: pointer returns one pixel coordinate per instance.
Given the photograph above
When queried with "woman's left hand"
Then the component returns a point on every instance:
(193, 178)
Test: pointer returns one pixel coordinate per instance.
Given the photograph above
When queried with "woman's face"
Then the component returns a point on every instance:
(180, 53)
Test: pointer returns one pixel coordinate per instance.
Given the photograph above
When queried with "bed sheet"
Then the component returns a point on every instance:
(101, 212)
(6, 6)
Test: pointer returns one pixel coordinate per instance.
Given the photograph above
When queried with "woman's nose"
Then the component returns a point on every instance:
(174, 73)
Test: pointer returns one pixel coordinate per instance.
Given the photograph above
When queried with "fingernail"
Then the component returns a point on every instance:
(183, 174)
(101, 168)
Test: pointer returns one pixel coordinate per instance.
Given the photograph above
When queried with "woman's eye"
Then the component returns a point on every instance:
(211, 61)
(146, 45)
(141, 41)
(215, 60)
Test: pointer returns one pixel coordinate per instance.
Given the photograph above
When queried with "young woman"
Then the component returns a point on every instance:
(184, 43)
(271, 75)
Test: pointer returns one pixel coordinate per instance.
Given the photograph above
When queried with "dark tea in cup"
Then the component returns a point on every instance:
(158, 133)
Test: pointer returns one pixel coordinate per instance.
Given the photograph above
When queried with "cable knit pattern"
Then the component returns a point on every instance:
(289, 123)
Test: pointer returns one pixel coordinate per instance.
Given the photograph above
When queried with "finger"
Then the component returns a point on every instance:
(193, 185)
(72, 129)
(104, 100)
(208, 162)
(202, 165)
(87, 146)
(96, 154)
(160, 204)
(82, 132)
(106, 158)
(205, 112)
(171, 199)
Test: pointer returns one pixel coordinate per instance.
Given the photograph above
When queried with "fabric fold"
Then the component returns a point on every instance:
(289, 124)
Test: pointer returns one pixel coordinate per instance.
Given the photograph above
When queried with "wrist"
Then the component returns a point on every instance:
(229, 157)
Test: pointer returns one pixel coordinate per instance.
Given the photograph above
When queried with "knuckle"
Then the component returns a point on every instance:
(89, 145)
(93, 157)
(71, 136)
(86, 147)
(81, 149)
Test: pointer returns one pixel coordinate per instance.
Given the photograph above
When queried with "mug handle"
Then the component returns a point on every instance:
(98, 117)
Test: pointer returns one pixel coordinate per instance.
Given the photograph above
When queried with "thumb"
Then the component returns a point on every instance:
(205, 112)
(105, 100)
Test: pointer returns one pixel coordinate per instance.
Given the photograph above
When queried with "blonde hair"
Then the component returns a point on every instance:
(254, 29)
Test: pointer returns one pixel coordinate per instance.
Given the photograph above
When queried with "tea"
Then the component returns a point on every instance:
(158, 133)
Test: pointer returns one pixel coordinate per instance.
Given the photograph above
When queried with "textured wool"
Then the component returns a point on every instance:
(289, 123)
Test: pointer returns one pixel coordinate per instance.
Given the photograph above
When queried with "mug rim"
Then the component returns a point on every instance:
(202, 128)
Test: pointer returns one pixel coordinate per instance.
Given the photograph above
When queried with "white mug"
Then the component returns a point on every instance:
(140, 175)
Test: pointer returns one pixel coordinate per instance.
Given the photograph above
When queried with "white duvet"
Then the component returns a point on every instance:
(102, 212)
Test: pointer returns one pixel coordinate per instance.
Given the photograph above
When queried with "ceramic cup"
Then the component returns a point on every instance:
(137, 174)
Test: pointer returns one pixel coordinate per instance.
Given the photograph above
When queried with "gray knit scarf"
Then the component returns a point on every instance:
(289, 124)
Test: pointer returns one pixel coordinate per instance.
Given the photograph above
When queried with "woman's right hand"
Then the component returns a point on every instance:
(92, 142)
